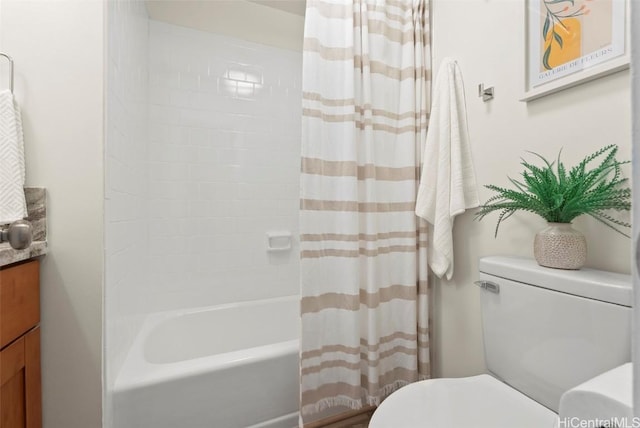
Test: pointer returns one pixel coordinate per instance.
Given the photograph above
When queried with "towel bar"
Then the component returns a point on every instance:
(10, 70)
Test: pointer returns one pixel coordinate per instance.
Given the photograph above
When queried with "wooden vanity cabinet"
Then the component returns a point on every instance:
(20, 390)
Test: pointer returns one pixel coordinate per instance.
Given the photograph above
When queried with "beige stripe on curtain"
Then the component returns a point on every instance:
(364, 308)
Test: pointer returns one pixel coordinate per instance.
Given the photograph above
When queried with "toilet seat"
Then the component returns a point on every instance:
(472, 402)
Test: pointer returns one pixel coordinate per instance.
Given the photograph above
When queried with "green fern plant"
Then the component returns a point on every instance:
(559, 195)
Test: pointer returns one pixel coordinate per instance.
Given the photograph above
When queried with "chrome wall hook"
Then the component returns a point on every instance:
(485, 93)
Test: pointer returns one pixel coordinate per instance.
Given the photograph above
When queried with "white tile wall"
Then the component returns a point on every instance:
(126, 184)
(201, 160)
(224, 156)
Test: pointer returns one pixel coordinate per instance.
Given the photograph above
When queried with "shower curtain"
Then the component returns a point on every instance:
(364, 305)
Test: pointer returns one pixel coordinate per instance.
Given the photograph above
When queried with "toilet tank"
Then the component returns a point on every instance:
(548, 330)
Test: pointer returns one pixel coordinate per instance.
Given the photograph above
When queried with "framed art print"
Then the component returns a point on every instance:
(569, 42)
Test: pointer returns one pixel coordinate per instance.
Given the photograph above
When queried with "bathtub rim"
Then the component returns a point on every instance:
(136, 372)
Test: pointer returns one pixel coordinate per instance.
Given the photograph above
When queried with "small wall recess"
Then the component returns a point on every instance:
(278, 241)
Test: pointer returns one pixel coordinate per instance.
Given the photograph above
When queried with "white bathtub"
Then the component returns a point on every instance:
(229, 366)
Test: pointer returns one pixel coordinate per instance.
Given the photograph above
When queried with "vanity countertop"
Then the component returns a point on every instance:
(8, 255)
(36, 198)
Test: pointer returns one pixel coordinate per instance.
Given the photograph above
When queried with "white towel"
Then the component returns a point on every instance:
(448, 184)
(12, 174)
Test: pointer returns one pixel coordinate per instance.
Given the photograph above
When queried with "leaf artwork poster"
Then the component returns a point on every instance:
(567, 36)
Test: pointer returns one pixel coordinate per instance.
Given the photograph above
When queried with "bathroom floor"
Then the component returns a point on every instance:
(356, 421)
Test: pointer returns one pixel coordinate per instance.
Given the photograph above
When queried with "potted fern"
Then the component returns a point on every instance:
(594, 187)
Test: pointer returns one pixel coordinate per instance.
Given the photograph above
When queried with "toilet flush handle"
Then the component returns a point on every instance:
(489, 286)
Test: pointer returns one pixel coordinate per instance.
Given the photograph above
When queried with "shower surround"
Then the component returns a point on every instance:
(202, 160)
(224, 130)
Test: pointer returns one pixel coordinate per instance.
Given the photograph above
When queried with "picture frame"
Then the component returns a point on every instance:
(571, 42)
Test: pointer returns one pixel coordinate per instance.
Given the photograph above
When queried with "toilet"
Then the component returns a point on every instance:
(546, 331)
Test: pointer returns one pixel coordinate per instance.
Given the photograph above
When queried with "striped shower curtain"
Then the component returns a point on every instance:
(366, 80)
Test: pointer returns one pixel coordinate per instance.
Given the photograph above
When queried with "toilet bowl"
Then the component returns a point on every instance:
(545, 332)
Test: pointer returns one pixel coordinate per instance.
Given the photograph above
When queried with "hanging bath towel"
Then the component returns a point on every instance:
(12, 173)
(448, 184)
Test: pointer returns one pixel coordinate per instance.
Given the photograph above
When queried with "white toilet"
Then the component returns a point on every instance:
(545, 331)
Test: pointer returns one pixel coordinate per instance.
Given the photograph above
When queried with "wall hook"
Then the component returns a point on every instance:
(485, 93)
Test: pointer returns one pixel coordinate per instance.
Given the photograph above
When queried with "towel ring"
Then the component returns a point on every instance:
(10, 70)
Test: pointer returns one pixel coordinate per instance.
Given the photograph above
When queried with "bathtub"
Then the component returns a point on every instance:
(228, 366)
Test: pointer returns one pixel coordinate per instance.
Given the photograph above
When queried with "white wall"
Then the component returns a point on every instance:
(236, 18)
(58, 52)
(126, 204)
(223, 165)
(486, 37)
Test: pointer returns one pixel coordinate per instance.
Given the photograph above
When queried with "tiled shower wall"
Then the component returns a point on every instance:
(202, 160)
(126, 240)
(224, 156)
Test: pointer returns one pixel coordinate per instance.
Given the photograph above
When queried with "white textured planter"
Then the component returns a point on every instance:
(560, 246)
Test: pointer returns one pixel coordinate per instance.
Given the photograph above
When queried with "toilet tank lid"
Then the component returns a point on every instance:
(590, 283)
